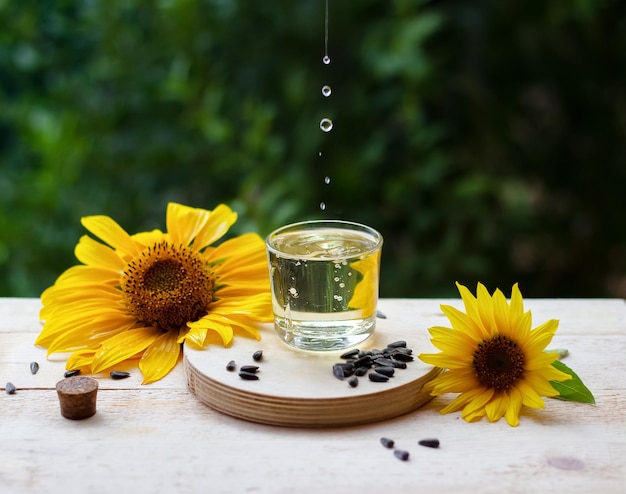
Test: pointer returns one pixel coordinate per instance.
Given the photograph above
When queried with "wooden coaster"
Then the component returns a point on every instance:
(297, 388)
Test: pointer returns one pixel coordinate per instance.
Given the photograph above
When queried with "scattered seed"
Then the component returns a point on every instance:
(402, 357)
(386, 371)
(353, 381)
(34, 367)
(364, 361)
(386, 442)
(401, 454)
(360, 371)
(383, 362)
(399, 365)
(397, 344)
(429, 443)
(119, 374)
(377, 378)
(248, 376)
(257, 356)
(253, 369)
(338, 371)
(10, 388)
(380, 315)
(231, 366)
(350, 353)
(70, 373)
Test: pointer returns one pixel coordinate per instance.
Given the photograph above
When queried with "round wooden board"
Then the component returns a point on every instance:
(298, 389)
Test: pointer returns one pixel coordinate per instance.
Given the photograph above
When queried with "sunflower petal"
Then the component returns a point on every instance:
(123, 346)
(160, 357)
(107, 230)
(93, 253)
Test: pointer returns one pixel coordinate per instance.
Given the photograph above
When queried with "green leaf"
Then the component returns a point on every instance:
(572, 389)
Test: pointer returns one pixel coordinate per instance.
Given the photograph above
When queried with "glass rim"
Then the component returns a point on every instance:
(309, 225)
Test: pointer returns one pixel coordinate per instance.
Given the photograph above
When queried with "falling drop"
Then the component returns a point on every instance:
(326, 180)
(326, 60)
(326, 124)
(326, 91)
(322, 206)
(319, 154)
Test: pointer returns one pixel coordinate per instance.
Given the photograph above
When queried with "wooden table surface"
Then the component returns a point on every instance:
(160, 438)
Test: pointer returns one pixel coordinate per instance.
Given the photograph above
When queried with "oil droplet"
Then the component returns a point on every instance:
(326, 91)
(319, 154)
(322, 206)
(326, 60)
(326, 124)
(326, 180)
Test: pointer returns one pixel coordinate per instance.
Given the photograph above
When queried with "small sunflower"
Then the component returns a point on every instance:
(493, 358)
(144, 295)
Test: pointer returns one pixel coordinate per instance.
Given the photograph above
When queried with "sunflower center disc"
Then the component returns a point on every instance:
(168, 286)
(498, 363)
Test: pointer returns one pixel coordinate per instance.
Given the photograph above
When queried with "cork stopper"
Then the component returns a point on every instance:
(77, 396)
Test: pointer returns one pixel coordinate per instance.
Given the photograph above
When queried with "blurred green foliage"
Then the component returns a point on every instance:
(485, 140)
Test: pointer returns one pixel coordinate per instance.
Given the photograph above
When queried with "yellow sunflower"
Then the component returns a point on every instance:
(143, 295)
(493, 358)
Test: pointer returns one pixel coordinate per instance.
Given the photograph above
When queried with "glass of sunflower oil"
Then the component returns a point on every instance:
(324, 280)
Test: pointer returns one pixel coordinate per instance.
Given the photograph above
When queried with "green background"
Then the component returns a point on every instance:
(484, 140)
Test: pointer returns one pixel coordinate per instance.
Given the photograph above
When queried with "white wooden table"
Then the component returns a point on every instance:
(160, 438)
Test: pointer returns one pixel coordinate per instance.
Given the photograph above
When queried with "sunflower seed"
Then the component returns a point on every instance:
(377, 378)
(401, 454)
(257, 356)
(338, 371)
(353, 381)
(119, 374)
(365, 360)
(429, 443)
(399, 365)
(402, 357)
(360, 371)
(386, 442)
(383, 362)
(350, 353)
(34, 367)
(253, 369)
(231, 366)
(397, 344)
(248, 376)
(70, 373)
(385, 371)
(10, 388)
(380, 315)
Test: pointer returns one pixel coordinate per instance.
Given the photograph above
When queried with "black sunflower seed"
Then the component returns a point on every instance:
(377, 378)
(401, 454)
(399, 365)
(250, 368)
(10, 388)
(70, 373)
(353, 381)
(364, 361)
(397, 344)
(360, 371)
(386, 371)
(231, 366)
(338, 371)
(34, 367)
(257, 356)
(350, 353)
(383, 362)
(429, 443)
(248, 376)
(386, 442)
(402, 357)
(119, 374)
(380, 315)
